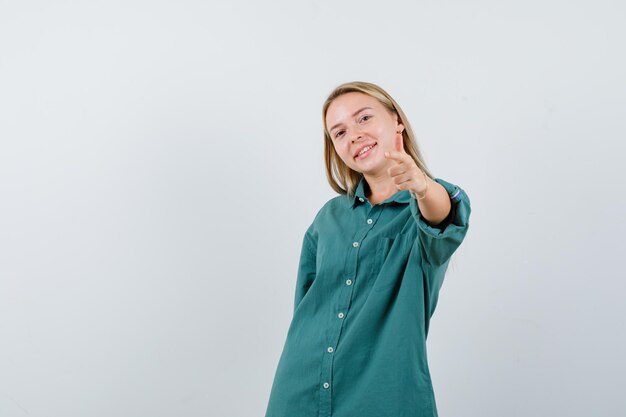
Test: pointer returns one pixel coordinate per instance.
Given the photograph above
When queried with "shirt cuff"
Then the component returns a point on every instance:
(457, 217)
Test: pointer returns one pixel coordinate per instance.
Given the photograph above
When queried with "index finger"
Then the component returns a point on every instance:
(395, 155)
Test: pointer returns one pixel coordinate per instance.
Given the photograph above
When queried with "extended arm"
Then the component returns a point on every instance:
(436, 205)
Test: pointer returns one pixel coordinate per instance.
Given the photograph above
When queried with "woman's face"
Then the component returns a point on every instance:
(357, 121)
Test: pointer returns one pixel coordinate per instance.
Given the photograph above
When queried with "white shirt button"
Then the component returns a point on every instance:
(349, 282)
(330, 349)
(340, 315)
(326, 385)
(361, 199)
(369, 221)
(355, 244)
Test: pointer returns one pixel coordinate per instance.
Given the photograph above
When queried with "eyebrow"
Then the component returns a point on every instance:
(353, 114)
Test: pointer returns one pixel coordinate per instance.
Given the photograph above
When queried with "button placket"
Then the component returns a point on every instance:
(372, 213)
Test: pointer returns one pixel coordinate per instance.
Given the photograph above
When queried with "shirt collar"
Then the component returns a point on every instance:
(403, 196)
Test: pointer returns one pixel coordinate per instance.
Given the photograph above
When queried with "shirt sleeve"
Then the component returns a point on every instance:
(439, 242)
(306, 267)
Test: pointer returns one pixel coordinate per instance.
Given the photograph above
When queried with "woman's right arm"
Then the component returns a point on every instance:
(306, 267)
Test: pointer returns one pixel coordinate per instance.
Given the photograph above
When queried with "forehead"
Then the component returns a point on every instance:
(343, 107)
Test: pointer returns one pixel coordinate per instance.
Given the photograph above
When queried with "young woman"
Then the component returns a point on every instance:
(371, 266)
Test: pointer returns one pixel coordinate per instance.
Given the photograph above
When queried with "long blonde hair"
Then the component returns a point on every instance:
(342, 178)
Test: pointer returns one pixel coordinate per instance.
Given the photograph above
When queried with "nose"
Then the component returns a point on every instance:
(356, 133)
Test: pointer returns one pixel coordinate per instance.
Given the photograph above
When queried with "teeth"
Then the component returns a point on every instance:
(367, 148)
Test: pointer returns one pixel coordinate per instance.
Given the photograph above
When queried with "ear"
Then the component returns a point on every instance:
(399, 126)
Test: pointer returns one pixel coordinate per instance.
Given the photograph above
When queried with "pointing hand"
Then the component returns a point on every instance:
(405, 172)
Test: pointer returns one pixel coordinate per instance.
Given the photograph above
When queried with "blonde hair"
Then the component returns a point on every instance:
(342, 178)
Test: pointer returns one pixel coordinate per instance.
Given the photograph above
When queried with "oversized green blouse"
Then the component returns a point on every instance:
(367, 285)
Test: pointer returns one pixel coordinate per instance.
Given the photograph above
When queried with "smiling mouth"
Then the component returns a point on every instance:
(367, 152)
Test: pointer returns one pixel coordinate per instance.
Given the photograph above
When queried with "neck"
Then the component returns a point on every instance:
(381, 187)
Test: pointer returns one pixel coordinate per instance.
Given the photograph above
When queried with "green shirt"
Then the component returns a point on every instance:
(367, 285)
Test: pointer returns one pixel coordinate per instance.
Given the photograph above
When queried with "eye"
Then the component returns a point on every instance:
(364, 117)
(338, 132)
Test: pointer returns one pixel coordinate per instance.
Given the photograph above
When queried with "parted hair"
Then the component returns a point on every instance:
(342, 178)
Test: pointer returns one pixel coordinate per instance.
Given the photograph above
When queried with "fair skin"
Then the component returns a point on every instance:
(355, 120)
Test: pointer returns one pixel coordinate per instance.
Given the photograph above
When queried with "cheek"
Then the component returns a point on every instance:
(342, 151)
(382, 132)
(384, 137)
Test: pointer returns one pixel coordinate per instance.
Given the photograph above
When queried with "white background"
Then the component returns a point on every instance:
(160, 162)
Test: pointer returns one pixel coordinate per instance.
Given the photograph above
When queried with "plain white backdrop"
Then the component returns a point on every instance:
(160, 162)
